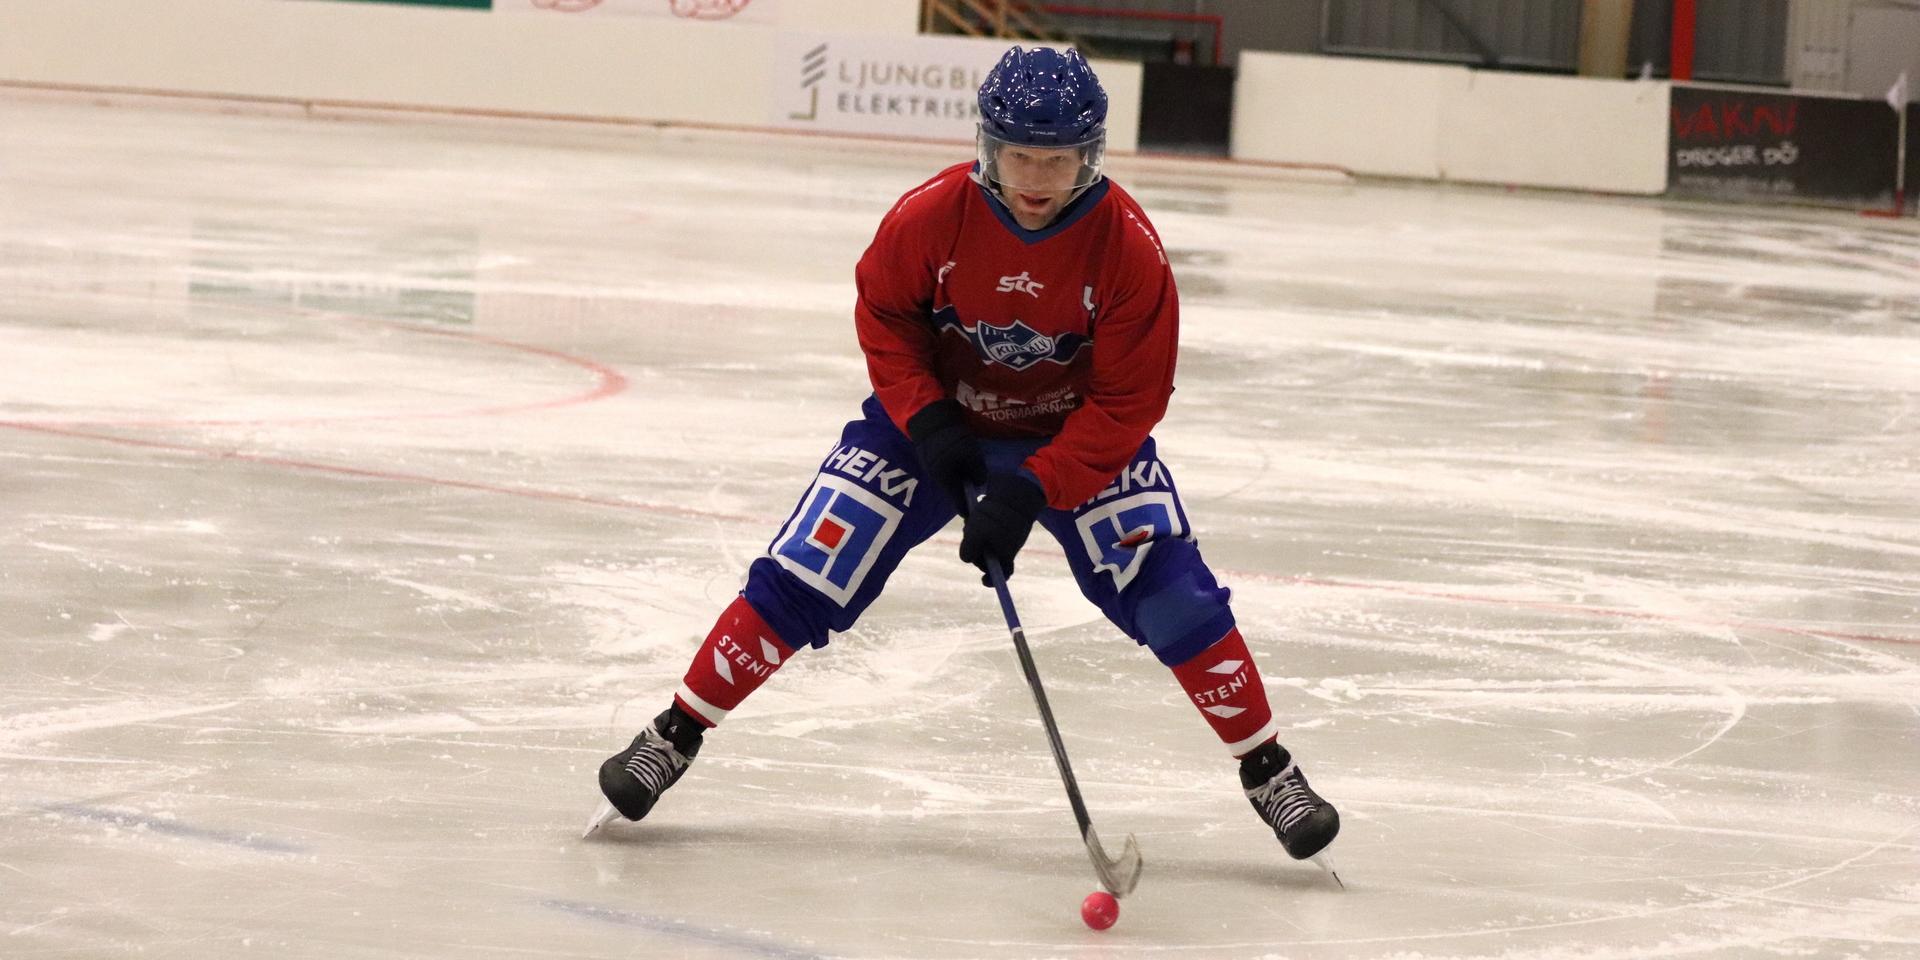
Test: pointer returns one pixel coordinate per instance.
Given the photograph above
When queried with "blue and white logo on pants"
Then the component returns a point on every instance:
(1118, 534)
(834, 538)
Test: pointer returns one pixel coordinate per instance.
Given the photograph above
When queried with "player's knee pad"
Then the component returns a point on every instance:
(1173, 605)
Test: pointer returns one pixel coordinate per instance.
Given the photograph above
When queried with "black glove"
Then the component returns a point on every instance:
(948, 450)
(998, 522)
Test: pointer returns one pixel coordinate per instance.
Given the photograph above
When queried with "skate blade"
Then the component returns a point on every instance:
(1320, 860)
(1119, 876)
(602, 815)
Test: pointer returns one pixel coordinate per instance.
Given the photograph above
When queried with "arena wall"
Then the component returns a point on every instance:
(1555, 131)
(860, 67)
(640, 68)
(1447, 122)
(1373, 117)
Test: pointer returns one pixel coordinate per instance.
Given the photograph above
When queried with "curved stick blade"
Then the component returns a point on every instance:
(1118, 875)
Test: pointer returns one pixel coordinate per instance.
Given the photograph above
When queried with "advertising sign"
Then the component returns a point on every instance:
(741, 11)
(903, 86)
(1743, 144)
(464, 4)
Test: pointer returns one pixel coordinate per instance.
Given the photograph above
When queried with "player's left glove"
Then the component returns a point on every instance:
(947, 450)
(999, 520)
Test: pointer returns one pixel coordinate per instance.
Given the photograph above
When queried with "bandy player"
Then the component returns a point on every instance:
(1020, 323)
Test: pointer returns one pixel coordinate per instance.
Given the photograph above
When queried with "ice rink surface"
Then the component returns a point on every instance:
(363, 484)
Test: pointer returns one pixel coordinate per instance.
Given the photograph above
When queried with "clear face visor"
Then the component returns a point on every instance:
(1024, 169)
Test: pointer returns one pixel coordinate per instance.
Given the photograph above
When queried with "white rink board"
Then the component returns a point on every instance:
(1367, 116)
(1570, 132)
(1443, 122)
(735, 72)
(380, 53)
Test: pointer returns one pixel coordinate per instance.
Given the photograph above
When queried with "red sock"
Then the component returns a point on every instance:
(737, 657)
(1225, 685)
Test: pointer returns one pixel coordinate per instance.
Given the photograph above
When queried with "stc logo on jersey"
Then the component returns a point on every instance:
(1021, 282)
(836, 536)
(1015, 345)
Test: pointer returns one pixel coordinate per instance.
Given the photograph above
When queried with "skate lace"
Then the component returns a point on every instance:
(1284, 800)
(655, 763)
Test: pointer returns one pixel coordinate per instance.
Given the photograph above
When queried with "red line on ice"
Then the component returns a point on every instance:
(392, 475)
(608, 382)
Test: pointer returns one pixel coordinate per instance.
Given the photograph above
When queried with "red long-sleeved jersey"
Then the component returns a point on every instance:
(1069, 332)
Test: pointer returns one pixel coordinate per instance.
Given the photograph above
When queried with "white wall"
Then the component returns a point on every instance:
(1370, 116)
(1122, 80)
(852, 16)
(1883, 43)
(1541, 131)
(1852, 46)
(1453, 123)
(630, 68)
(645, 68)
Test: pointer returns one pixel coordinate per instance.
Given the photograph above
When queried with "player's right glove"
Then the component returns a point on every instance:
(948, 450)
(998, 523)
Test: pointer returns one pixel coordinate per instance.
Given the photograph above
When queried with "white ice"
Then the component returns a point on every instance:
(364, 482)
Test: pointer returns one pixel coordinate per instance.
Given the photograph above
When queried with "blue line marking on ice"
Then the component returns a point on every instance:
(247, 841)
(682, 929)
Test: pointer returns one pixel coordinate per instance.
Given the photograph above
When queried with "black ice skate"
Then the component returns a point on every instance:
(633, 779)
(1303, 821)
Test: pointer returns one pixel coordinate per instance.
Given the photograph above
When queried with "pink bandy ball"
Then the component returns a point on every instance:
(1099, 910)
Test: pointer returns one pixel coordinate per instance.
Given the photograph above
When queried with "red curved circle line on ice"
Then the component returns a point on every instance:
(608, 382)
(366, 474)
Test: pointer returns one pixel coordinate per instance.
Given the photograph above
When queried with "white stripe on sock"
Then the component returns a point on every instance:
(707, 711)
(1242, 746)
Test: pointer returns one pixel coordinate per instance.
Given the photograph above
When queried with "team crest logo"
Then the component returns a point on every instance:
(835, 537)
(1015, 345)
(1018, 346)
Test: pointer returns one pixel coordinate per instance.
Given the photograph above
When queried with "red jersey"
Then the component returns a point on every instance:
(1068, 332)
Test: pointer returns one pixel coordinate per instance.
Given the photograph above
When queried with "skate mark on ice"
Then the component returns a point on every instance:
(38, 726)
(1734, 703)
(1598, 950)
(1734, 896)
(174, 828)
(683, 930)
(1588, 820)
(1557, 606)
(711, 515)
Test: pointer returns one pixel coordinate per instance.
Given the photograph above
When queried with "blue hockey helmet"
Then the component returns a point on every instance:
(1043, 98)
